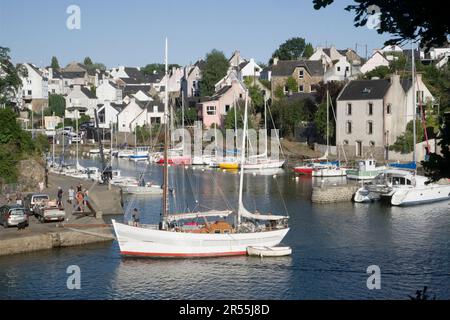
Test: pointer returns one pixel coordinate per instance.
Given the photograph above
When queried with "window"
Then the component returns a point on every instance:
(369, 127)
(53, 90)
(349, 109)
(358, 148)
(227, 107)
(372, 144)
(419, 96)
(301, 74)
(346, 142)
(300, 88)
(347, 68)
(155, 109)
(211, 110)
(370, 111)
(286, 89)
(389, 108)
(240, 95)
(348, 127)
(338, 69)
(29, 92)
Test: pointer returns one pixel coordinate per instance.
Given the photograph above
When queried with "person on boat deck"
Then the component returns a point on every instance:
(135, 217)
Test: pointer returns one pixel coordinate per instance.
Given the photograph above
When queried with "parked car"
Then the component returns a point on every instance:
(87, 125)
(49, 211)
(32, 199)
(67, 130)
(13, 215)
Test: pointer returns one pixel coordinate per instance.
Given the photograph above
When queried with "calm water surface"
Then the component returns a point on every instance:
(332, 247)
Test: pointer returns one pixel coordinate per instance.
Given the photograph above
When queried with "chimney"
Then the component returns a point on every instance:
(275, 61)
(395, 78)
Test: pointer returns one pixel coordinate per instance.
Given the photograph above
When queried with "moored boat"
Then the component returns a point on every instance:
(269, 251)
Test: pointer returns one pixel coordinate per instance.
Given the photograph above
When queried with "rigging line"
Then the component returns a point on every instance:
(276, 133)
(282, 198)
(227, 203)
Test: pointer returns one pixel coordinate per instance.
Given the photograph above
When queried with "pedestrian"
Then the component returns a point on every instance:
(79, 202)
(79, 187)
(8, 198)
(46, 177)
(41, 186)
(60, 195)
(135, 217)
(86, 197)
(71, 194)
(18, 197)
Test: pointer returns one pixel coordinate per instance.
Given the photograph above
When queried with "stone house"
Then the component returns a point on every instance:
(305, 72)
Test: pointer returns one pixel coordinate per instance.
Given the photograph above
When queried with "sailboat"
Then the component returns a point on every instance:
(181, 235)
(329, 169)
(401, 185)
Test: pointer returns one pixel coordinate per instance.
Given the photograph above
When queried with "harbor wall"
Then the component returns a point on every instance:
(332, 194)
(58, 239)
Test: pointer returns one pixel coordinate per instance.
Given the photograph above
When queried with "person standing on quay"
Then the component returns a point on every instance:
(71, 194)
(18, 197)
(60, 195)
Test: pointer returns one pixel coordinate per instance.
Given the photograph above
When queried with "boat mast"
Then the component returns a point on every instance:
(241, 181)
(328, 124)
(265, 127)
(166, 142)
(413, 86)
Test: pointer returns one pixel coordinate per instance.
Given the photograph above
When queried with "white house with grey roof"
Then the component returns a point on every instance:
(80, 101)
(34, 89)
(372, 114)
(140, 113)
(109, 91)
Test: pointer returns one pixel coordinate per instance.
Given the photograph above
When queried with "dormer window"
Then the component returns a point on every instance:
(301, 74)
(367, 90)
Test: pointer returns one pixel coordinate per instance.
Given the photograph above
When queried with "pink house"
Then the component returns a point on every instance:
(217, 106)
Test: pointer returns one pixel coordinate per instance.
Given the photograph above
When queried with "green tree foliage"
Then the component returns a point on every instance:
(229, 122)
(422, 20)
(320, 123)
(190, 116)
(292, 85)
(381, 72)
(438, 166)
(279, 92)
(405, 142)
(56, 105)
(88, 62)
(287, 115)
(41, 143)
(291, 49)
(309, 51)
(10, 79)
(14, 144)
(216, 67)
(54, 64)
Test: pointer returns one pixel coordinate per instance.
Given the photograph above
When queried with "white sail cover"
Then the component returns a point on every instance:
(256, 216)
(192, 215)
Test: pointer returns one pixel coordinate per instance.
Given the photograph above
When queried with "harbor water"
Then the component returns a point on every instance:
(333, 245)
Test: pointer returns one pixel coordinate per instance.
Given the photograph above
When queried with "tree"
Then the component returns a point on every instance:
(422, 20)
(56, 105)
(320, 123)
(190, 116)
(291, 49)
(54, 64)
(381, 72)
(291, 84)
(309, 51)
(88, 62)
(279, 92)
(10, 79)
(437, 166)
(216, 67)
(229, 122)
(157, 68)
(287, 115)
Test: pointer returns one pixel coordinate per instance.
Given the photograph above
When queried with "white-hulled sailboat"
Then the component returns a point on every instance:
(172, 238)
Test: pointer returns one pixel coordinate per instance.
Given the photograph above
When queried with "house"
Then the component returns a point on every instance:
(326, 55)
(130, 75)
(306, 73)
(376, 60)
(138, 113)
(174, 79)
(108, 112)
(423, 95)
(249, 69)
(55, 82)
(34, 89)
(109, 91)
(236, 59)
(51, 122)
(80, 101)
(340, 71)
(372, 114)
(266, 74)
(352, 57)
(213, 109)
(190, 83)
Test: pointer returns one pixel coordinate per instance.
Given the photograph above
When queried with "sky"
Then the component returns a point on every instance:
(132, 32)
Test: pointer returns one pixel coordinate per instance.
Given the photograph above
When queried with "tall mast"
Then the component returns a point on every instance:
(413, 86)
(182, 115)
(241, 181)
(328, 123)
(265, 127)
(166, 142)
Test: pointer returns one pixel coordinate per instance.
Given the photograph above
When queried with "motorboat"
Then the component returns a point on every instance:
(269, 251)
(366, 170)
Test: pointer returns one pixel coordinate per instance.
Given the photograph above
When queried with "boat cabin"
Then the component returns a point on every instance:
(367, 165)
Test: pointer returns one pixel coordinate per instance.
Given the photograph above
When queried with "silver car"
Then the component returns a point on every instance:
(12, 215)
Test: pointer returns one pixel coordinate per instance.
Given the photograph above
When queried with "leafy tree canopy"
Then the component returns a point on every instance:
(10, 80)
(54, 64)
(216, 67)
(421, 20)
(56, 105)
(290, 50)
(157, 68)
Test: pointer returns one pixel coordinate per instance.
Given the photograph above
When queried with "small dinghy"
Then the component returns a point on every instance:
(269, 251)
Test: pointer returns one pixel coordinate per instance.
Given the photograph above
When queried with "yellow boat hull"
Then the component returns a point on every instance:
(229, 165)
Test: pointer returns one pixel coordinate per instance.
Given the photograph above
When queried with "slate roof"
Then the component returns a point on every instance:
(88, 93)
(151, 104)
(72, 75)
(118, 106)
(301, 96)
(365, 90)
(128, 90)
(135, 74)
(406, 84)
(285, 68)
